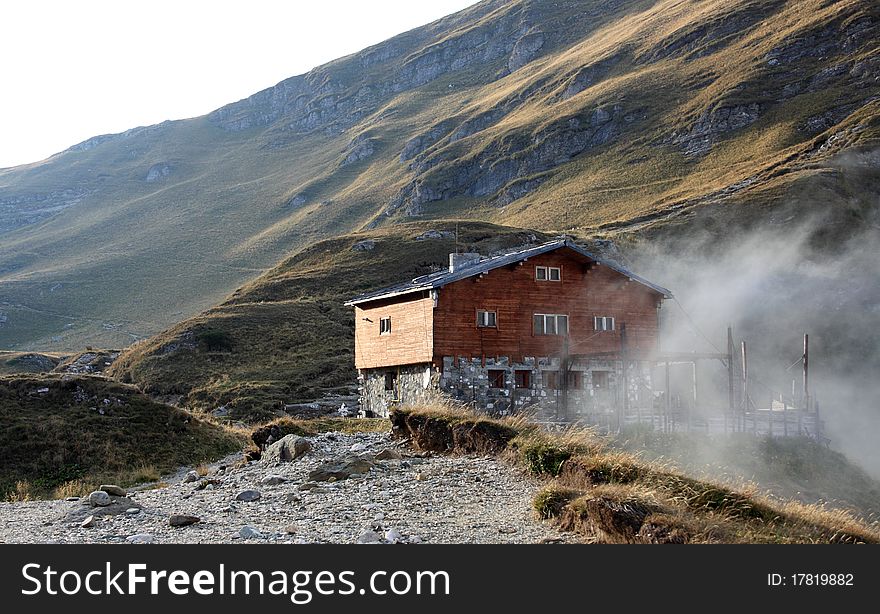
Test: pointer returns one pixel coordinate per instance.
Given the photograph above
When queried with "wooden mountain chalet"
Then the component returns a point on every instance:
(550, 327)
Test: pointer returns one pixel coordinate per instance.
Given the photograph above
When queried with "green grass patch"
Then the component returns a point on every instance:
(70, 433)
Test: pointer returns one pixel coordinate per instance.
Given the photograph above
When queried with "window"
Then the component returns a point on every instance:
(600, 379)
(384, 326)
(603, 323)
(522, 378)
(574, 380)
(487, 319)
(550, 324)
(548, 273)
(390, 381)
(551, 379)
(496, 378)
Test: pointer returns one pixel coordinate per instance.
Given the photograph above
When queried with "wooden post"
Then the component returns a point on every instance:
(667, 401)
(745, 385)
(695, 396)
(784, 418)
(730, 394)
(806, 372)
(622, 408)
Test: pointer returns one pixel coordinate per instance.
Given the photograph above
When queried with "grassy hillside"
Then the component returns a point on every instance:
(287, 336)
(791, 468)
(66, 434)
(611, 497)
(603, 117)
(28, 362)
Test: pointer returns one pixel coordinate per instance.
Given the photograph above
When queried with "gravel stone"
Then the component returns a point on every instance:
(450, 507)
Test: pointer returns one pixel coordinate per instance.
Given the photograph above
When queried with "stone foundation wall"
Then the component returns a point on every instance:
(412, 384)
(600, 388)
(471, 381)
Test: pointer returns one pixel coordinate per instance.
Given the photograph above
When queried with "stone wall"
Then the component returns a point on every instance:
(598, 390)
(597, 386)
(410, 385)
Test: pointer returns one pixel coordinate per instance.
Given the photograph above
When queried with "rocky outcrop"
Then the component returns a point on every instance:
(360, 148)
(286, 449)
(525, 50)
(25, 209)
(507, 160)
(336, 96)
(157, 172)
(705, 131)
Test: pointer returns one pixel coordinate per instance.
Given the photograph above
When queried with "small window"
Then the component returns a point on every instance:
(603, 323)
(522, 378)
(496, 378)
(575, 380)
(551, 380)
(487, 319)
(384, 326)
(390, 381)
(548, 273)
(600, 379)
(550, 324)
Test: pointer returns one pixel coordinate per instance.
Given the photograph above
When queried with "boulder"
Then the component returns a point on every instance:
(273, 480)
(99, 498)
(191, 476)
(369, 537)
(341, 469)
(389, 454)
(248, 495)
(248, 532)
(183, 520)
(113, 489)
(286, 449)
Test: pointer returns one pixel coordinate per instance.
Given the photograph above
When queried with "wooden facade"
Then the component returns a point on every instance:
(411, 339)
(586, 290)
(426, 326)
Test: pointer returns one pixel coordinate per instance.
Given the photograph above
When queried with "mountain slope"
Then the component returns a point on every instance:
(287, 336)
(596, 116)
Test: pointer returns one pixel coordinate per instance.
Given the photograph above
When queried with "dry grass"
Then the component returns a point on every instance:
(611, 496)
(84, 431)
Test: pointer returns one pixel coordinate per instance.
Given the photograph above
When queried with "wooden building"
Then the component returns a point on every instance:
(550, 326)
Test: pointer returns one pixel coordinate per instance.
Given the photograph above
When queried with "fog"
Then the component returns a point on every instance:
(772, 286)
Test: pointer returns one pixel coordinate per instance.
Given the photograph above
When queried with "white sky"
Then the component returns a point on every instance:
(73, 69)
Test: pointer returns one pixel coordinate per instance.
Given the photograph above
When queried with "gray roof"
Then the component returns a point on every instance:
(441, 278)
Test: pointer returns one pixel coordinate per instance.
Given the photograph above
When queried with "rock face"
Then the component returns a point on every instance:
(710, 125)
(286, 449)
(367, 245)
(525, 50)
(341, 469)
(157, 172)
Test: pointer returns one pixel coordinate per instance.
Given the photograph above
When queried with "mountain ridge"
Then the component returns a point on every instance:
(596, 118)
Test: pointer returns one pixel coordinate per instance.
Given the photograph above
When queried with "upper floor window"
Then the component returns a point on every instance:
(548, 273)
(550, 324)
(384, 326)
(487, 319)
(603, 323)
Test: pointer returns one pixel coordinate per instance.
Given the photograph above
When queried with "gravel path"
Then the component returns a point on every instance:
(435, 499)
